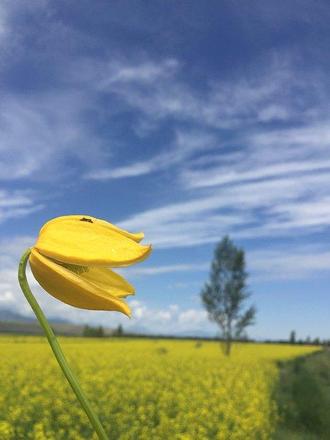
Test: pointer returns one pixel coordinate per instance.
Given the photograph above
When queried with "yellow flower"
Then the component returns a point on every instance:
(71, 261)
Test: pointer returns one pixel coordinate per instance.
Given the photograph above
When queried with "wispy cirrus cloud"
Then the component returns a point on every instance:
(246, 210)
(236, 116)
(144, 72)
(183, 146)
(245, 190)
(261, 96)
(220, 175)
(39, 134)
(301, 262)
(171, 268)
(17, 203)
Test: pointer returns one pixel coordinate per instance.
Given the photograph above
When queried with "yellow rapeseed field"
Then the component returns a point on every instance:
(141, 389)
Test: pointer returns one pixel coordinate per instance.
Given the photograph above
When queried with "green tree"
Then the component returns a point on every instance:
(93, 332)
(225, 293)
(119, 330)
(292, 337)
(100, 332)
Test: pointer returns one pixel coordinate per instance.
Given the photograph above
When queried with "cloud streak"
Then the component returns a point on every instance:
(277, 264)
(160, 94)
(37, 136)
(184, 146)
(16, 204)
(254, 209)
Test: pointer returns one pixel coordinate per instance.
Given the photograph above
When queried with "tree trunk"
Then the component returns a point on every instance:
(227, 346)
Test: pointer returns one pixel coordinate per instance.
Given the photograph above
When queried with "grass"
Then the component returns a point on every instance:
(303, 398)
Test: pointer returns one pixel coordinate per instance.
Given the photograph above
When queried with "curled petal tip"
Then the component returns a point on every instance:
(138, 236)
(147, 249)
(128, 313)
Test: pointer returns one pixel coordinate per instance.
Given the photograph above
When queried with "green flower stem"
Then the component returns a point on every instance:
(55, 346)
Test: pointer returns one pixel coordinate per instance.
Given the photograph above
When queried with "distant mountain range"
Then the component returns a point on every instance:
(9, 315)
(13, 322)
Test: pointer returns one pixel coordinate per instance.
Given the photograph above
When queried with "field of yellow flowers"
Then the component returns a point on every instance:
(141, 389)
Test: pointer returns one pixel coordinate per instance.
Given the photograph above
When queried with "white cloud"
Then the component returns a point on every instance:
(249, 209)
(39, 134)
(315, 134)
(6, 298)
(15, 204)
(139, 73)
(301, 262)
(42, 127)
(184, 145)
(266, 154)
(136, 169)
(277, 184)
(156, 90)
(220, 176)
(171, 319)
(172, 268)
(189, 316)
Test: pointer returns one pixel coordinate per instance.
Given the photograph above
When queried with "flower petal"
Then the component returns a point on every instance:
(86, 243)
(108, 281)
(72, 288)
(133, 236)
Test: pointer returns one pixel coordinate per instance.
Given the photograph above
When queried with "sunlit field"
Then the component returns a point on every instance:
(141, 389)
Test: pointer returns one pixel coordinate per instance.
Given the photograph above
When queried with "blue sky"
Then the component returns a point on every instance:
(188, 121)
